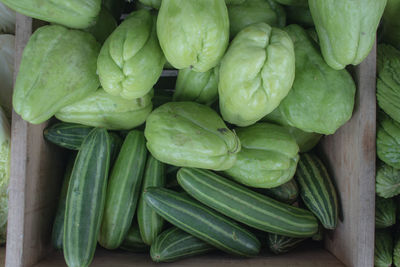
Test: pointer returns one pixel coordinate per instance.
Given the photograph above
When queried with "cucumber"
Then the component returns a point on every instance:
(317, 190)
(202, 222)
(287, 192)
(245, 205)
(385, 212)
(319, 236)
(58, 225)
(67, 135)
(279, 244)
(175, 244)
(123, 190)
(150, 223)
(85, 198)
(383, 248)
(133, 241)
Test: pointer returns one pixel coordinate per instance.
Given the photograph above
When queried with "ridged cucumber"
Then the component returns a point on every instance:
(317, 190)
(279, 244)
(245, 205)
(385, 212)
(133, 241)
(383, 248)
(202, 222)
(175, 244)
(67, 135)
(287, 192)
(123, 190)
(150, 223)
(85, 198)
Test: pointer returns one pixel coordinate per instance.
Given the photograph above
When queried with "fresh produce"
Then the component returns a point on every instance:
(7, 20)
(175, 244)
(152, 3)
(115, 145)
(67, 135)
(59, 66)
(268, 157)
(193, 34)
(104, 26)
(391, 24)
(234, 2)
(287, 192)
(77, 14)
(256, 73)
(383, 248)
(388, 140)
(100, 109)
(387, 181)
(346, 31)
(202, 222)
(133, 241)
(255, 11)
(123, 190)
(188, 134)
(299, 15)
(293, 2)
(317, 190)
(279, 244)
(85, 199)
(385, 212)
(7, 43)
(319, 236)
(396, 250)
(246, 206)
(5, 156)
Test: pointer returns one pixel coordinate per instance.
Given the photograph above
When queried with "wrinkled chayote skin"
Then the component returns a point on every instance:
(104, 26)
(385, 212)
(391, 23)
(388, 140)
(255, 11)
(58, 68)
(78, 14)
(346, 29)
(387, 180)
(188, 134)
(200, 87)
(131, 60)
(321, 99)
(192, 33)
(256, 73)
(268, 157)
(388, 81)
(101, 109)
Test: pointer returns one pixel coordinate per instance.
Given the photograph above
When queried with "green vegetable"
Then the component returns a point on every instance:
(152, 3)
(193, 34)
(383, 248)
(246, 206)
(268, 157)
(396, 251)
(7, 20)
(85, 199)
(101, 109)
(7, 51)
(202, 222)
(123, 190)
(256, 73)
(279, 244)
(175, 244)
(5, 156)
(319, 236)
(299, 15)
(115, 143)
(234, 2)
(104, 26)
(287, 192)
(131, 60)
(385, 212)
(387, 181)
(293, 2)
(133, 241)
(388, 140)
(188, 134)
(346, 31)
(391, 23)
(67, 135)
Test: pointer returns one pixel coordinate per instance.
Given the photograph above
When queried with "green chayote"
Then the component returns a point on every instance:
(188, 134)
(234, 2)
(346, 29)
(293, 2)
(58, 68)
(78, 14)
(200, 87)
(391, 23)
(385, 212)
(193, 34)
(131, 60)
(255, 11)
(268, 157)
(104, 26)
(383, 254)
(152, 3)
(321, 99)
(387, 180)
(388, 140)
(256, 73)
(101, 109)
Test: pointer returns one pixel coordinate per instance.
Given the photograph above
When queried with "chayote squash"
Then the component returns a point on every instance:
(388, 81)
(151, 3)
(131, 60)
(234, 2)
(189, 134)
(391, 23)
(104, 26)
(200, 87)
(268, 157)
(78, 14)
(385, 212)
(101, 109)
(387, 181)
(346, 29)
(383, 254)
(293, 2)
(321, 99)
(192, 33)
(58, 68)
(255, 11)
(256, 73)
(388, 140)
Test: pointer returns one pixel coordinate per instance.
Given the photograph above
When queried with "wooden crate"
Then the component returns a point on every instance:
(36, 173)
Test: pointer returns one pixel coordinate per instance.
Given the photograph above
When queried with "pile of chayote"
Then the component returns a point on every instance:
(251, 93)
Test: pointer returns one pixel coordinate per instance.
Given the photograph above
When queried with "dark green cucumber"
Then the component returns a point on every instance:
(67, 135)
(116, 143)
(317, 190)
(245, 205)
(279, 244)
(85, 198)
(385, 212)
(150, 223)
(133, 241)
(123, 190)
(287, 192)
(383, 248)
(202, 222)
(175, 244)
(58, 225)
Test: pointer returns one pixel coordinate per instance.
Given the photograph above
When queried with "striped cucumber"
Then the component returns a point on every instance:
(67, 135)
(85, 198)
(133, 241)
(150, 223)
(245, 205)
(175, 244)
(317, 190)
(279, 244)
(287, 192)
(383, 248)
(385, 212)
(202, 222)
(123, 190)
